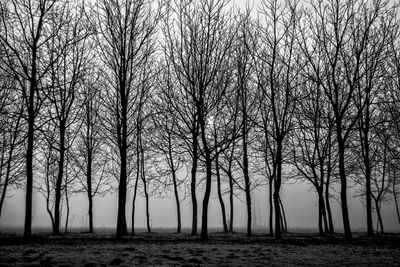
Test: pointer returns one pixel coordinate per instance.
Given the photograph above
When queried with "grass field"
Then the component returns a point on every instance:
(167, 248)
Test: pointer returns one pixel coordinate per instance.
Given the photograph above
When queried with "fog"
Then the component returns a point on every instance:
(299, 202)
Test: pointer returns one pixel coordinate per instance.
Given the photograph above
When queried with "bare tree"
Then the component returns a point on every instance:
(227, 163)
(244, 67)
(381, 180)
(126, 29)
(392, 107)
(340, 30)
(12, 141)
(374, 59)
(278, 77)
(47, 166)
(224, 129)
(166, 138)
(66, 77)
(70, 186)
(312, 147)
(28, 26)
(89, 155)
(198, 46)
(182, 98)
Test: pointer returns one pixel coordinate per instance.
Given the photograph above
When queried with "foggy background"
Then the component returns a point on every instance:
(298, 199)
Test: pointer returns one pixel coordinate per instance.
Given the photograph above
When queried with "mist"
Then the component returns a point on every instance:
(300, 206)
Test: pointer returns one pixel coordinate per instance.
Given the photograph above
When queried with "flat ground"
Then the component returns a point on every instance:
(222, 249)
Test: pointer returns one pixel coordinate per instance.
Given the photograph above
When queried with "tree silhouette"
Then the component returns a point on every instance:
(125, 35)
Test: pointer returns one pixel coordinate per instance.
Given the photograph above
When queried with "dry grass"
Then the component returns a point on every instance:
(183, 249)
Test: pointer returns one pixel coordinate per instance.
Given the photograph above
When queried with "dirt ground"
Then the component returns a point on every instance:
(173, 249)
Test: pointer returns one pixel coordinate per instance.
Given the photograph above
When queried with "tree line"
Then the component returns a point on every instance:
(144, 97)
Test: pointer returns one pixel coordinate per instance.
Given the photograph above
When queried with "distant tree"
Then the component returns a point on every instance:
(382, 171)
(224, 130)
(144, 135)
(70, 187)
(47, 166)
(165, 138)
(89, 155)
(227, 163)
(312, 145)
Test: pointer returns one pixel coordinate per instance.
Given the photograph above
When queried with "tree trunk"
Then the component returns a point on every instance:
(378, 213)
(271, 207)
(204, 217)
(175, 183)
(7, 179)
(57, 215)
(343, 186)
(90, 213)
(121, 219)
(68, 209)
(122, 142)
(283, 217)
(221, 200)
(178, 207)
(394, 195)
(321, 202)
(135, 191)
(327, 198)
(5, 184)
(89, 190)
(89, 170)
(29, 165)
(48, 208)
(145, 189)
(228, 172)
(397, 205)
(324, 217)
(230, 177)
(208, 162)
(193, 184)
(322, 221)
(246, 178)
(137, 175)
(364, 130)
(8, 166)
(328, 180)
(370, 229)
(277, 187)
(48, 189)
(3, 195)
(33, 84)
